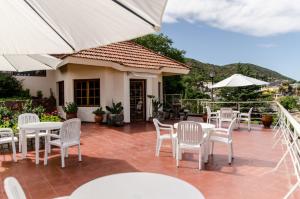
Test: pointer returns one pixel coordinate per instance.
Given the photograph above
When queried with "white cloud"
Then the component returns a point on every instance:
(252, 17)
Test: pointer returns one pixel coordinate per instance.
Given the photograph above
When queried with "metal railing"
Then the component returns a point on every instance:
(288, 132)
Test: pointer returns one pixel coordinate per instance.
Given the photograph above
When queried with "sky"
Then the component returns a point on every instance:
(262, 32)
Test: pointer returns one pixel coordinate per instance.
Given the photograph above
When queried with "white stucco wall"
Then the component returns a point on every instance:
(114, 85)
(35, 84)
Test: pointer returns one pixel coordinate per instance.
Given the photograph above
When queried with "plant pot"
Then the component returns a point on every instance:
(267, 120)
(71, 115)
(98, 119)
(115, 119)
(204, 117)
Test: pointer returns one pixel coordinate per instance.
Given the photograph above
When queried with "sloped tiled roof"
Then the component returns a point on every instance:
(129, 54)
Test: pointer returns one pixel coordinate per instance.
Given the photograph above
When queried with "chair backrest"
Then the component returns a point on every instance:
(13, 189)
(208, 111)
(26, 118)
(189, 132)
(250, 111)
(231, 127)
(226, 113)
(70, 130)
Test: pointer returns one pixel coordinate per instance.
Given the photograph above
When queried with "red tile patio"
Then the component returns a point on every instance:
(131, 148)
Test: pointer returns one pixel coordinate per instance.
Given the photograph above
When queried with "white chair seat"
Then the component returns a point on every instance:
(189, 146)
(167, 136)
(6, 140)
(219, 139)
(32, 135)
(58, 143)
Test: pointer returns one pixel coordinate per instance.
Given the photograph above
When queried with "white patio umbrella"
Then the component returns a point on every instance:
(238, 80)
(21, 63)
(67, 26)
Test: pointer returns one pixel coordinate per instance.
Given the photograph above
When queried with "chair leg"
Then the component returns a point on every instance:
(200, 159)
(14, 151)
(46, 153)
(62, 156)
(232, 154)
(177, 155)
(67, 152)
(157, 147)
(20, 142)
(173, 147)
(249, 125)
(212, 148)
(229, 153)
(79, 154)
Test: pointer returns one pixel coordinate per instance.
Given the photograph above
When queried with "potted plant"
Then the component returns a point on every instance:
(71, 110)
(115, 116)
(99, 112)
(156, 105)
(267, 120)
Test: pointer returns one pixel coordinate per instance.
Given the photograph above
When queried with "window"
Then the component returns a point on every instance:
(87, 92)
(61, 93)
(36, 73)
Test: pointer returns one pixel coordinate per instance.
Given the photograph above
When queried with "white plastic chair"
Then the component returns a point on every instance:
(189, 136)
(212, 116)
(161, 137)
(7, 137)
(226, 115)
(27, 118)
(13, 189)
(223, 135)
(245, 117)
(69, 136)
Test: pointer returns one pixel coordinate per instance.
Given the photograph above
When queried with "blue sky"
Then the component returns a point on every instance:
(272, 42)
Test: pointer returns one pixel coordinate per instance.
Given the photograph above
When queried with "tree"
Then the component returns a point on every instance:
(9, 86)
(163, 45)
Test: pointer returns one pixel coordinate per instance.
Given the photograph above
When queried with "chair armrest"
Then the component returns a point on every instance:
(51, 135)
(166, 125)
(244, 115)
(7, 132)
(220, 130)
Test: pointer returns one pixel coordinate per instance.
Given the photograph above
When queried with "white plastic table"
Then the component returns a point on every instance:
(207, 129)
(137, 186)
(37, 127)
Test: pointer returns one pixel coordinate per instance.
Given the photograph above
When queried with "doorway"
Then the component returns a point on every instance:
(137, 100)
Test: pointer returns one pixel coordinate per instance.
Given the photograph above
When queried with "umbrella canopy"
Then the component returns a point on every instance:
(21, 63)
(67, 26)
(238, 80)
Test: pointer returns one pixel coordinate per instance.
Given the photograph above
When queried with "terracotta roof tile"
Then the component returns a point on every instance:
(129, 54)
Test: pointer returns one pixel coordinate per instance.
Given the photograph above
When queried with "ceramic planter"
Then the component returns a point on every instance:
(71, 115)
(267, 120)
(98, 119)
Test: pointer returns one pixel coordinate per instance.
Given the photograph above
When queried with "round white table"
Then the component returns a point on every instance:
(137, 186)
(36, 127)
(207, 129)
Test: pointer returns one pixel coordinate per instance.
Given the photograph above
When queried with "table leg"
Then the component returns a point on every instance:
(37, 147)
(47, 148)
(24, 143)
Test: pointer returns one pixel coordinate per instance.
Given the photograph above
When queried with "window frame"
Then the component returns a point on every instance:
(88, 97)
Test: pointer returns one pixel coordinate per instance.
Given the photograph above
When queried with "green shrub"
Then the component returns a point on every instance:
(29, 108)
(289, 102)
(9, 86)
(116, 108)
(71, 108)
(49, 118)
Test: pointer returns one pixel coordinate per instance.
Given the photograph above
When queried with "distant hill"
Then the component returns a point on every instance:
(223, 72)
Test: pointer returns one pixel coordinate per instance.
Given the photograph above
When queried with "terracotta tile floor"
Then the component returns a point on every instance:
(131, 148)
